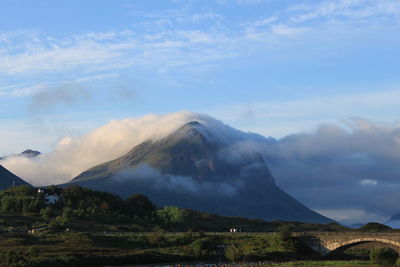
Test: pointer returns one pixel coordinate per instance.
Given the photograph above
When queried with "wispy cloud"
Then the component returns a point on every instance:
(350, 9)
(185, 39)
(65, 94)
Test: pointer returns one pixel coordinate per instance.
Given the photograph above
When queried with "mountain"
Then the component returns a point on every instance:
(29, 153)
(197, 168)
(8, 179)
(394, 221)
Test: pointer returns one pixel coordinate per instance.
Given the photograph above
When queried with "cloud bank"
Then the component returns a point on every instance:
(337, 169)
(73, 155)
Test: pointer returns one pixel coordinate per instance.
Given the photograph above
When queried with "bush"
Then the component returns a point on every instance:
(375, 227)
(384, 256)
(285, 232)
(47, 213)
(156, 239)
(234, 253)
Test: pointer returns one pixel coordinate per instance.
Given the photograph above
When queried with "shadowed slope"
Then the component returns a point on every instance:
(7, 179)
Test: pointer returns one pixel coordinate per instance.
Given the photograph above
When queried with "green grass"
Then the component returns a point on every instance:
(321, 263)
(61, 249)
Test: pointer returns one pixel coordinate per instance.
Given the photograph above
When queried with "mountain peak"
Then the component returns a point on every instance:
(193, 124)
(194, 130)
(30, 153)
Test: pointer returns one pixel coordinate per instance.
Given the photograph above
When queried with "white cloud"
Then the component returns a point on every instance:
(172, 43)
(72, 156)
(369, 182)
(285, 30)
(185, 39)
(251, 2)
(351, 9)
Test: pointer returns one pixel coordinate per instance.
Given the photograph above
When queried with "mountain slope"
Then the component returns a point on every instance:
(8, 179)
(193, 168)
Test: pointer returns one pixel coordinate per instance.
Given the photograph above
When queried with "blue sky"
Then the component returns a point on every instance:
(273, 67)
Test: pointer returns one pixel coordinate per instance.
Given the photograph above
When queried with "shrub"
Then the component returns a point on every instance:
(234, 253)
(47, 213)
(374, 227)
(203, 247)
(285, 232)
(384, 256)
(156, 239)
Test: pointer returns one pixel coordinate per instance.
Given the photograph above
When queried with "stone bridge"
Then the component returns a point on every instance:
(325, 243)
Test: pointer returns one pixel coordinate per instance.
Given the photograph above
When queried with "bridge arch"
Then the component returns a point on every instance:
(335, 246)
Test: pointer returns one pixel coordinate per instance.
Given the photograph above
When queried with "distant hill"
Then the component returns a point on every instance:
(198, 169)
(8, 179)
(374, 227)
(29, 153)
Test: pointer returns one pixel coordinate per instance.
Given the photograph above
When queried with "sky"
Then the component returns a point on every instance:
(277, 68)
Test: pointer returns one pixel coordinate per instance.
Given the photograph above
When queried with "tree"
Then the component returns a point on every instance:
(172, 215)
(384, 256)
(375, 227)
(139, 205)
(47, 213)
(234, 253)
(285, 232)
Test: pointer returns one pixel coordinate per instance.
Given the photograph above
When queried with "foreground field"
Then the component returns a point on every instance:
(90, 228)
(83, 249)
(125, 249)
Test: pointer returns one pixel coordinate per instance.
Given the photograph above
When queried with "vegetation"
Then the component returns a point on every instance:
(384, 256)
(375, 227)
(83, 209)
(90, 228)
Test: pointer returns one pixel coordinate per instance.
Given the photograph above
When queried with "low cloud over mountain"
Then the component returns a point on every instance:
(347, 172)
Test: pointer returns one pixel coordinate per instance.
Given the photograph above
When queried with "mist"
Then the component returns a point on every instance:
(147, 177)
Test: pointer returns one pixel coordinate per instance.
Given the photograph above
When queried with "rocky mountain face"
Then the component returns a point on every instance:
(8, 179)
(193, 168)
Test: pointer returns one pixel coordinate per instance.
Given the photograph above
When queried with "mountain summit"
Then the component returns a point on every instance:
(29, 153)
(198, 169)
